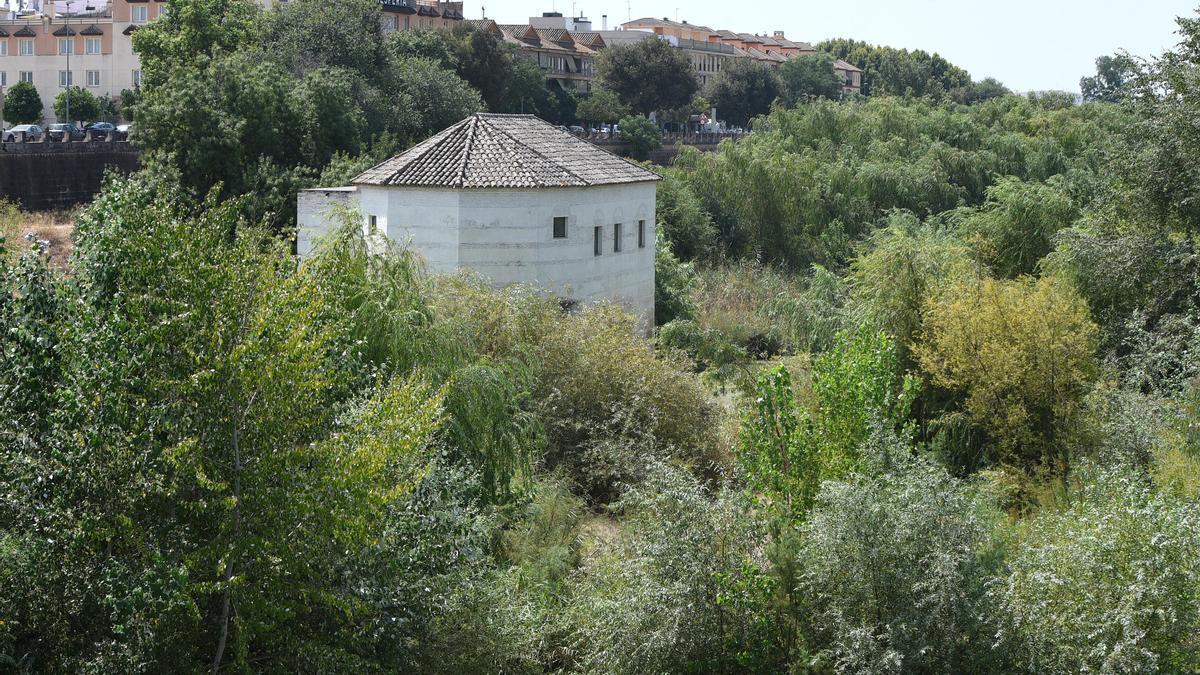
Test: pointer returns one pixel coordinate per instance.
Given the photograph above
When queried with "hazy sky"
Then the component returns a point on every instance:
(1027, 44)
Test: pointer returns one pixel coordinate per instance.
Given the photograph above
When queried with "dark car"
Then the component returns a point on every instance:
(100, 130)
(32, 133)
(61, 132)
(123, 132)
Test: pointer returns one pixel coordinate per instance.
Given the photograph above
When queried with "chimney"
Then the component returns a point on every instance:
(604, 22)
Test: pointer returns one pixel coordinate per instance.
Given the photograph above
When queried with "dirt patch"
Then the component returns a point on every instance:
(53, 229)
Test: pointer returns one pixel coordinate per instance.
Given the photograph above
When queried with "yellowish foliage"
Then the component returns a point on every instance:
(1021, 353)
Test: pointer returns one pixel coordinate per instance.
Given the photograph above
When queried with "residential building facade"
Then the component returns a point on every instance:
(89, 43)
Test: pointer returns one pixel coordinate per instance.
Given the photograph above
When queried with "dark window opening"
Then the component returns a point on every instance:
(560, 228)
(598, 240)
(641, 234)
(617, 238)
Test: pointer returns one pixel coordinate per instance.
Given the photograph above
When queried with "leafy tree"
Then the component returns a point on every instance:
(601, 106)
(888, 71)
(642, 135)
(1114, 76)
(1018, 223)
(978, 92)
(22, 104)
(84, 105)
(649, 75)
(423, 43)
(306, 35)
(486, 64)
(1021, 354)
(810, 76)
(673, 282)
(743, 90)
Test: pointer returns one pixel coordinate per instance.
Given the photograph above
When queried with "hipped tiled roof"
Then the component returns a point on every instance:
(504, 151)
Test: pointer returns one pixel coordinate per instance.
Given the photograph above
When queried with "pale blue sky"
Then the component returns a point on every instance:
(1027, 44)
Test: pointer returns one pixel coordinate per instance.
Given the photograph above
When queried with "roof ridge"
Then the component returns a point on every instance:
(537, 152)
(472, 126)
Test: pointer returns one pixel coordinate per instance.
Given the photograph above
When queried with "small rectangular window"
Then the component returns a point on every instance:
(66, 46)
(560, 227)
(92, 46)
(25, 48)
(617, 238)
(137, 78)
(140, 14)
(93, 78)
(3, 47)
(598, 240)
(372, 224)
(3, 79)
(641, 234)
(64, 78)
(26, 76)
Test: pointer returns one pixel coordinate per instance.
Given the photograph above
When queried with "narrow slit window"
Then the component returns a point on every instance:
(598, 240)
(560, 228)
(641, 234)
(617, 238)
(372, 224)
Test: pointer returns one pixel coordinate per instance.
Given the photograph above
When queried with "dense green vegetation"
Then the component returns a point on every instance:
(923, 399)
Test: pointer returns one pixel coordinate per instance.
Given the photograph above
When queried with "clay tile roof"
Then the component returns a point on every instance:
(129, 29)
(504, 151)
(25, 31)
(842, 65)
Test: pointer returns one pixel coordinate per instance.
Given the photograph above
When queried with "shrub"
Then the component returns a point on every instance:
(1018, 222)
(673, 281)
(1020, 353)
(893, 568)
(1108, 583)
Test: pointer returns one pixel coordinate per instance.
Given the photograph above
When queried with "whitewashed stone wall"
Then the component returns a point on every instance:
(507, 235)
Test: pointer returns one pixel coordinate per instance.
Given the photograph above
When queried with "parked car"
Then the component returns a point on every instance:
(576, 129)
(100, 130)
(60, 132)
(32, 133)
(123, 132)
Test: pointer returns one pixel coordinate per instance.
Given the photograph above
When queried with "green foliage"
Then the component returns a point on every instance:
(1018, 223)
(642, 135)
(601, 106)
(682, 220)
(743, 90)
(680, 589)
(22, 104)
(812, 180)
(898, 72)
(810, 76)
(894, 571)
(787, 450)
(1021, 356)
(979, 92)
(84, 105)
(673, 281)
(1114, 75)
(648, 75)
(1108, 582)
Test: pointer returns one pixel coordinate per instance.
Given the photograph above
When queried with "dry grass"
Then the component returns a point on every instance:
(20, 229)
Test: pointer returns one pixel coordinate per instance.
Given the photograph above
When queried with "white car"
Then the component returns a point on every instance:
(32, 133)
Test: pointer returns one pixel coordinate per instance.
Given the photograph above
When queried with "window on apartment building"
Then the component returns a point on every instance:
(25, 48)
(25, 76)
(641, 234)
(3, 47)
(560, 227)
(617, 238)
(65, 79)
(137, 78)
(598, 240)
(93, 78)
(66, 46)
(3, 79)
(406, 23)
(141, 13)
(91, 46)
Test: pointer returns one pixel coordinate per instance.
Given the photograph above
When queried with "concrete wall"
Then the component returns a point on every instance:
(316, 214)
(507, 236)
(42, 176)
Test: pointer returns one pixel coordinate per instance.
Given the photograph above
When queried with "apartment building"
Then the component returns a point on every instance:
(565, 48)
(88, 43)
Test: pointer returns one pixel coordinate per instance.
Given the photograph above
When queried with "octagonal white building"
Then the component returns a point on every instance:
(516, 200)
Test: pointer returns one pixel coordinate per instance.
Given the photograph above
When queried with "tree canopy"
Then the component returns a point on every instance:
(810, 76)
(649, 75)
(743, 90)
(22, 104)
(85, 106)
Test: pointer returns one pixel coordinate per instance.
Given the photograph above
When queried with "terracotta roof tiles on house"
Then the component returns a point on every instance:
(504, 151)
